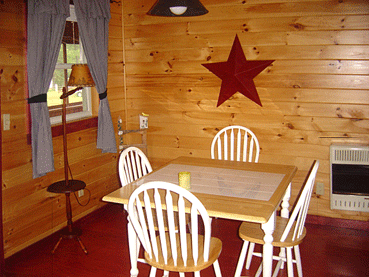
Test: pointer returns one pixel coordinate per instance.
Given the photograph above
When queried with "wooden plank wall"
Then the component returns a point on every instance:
(313, 95)
(30, 212)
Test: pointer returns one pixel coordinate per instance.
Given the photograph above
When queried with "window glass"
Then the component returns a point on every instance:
(71, 52)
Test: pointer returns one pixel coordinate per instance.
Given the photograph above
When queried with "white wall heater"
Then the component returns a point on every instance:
(349, 174)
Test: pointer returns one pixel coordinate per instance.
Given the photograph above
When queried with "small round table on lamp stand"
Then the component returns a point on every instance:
(67, 188)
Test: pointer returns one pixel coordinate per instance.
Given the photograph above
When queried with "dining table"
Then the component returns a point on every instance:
(242, 191)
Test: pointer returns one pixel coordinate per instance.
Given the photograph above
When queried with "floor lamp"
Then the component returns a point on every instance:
(80, 77)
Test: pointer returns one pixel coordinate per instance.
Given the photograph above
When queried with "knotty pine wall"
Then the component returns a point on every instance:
(30, 212)
(315, 93)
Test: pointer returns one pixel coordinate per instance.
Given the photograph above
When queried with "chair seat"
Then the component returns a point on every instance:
(214, 252)
(252, 232)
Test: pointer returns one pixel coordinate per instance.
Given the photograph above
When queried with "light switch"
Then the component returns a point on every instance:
(6, 121)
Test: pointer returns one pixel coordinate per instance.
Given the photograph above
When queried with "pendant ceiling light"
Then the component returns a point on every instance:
(177, 8)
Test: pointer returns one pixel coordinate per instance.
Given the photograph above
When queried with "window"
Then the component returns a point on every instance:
(71, 52)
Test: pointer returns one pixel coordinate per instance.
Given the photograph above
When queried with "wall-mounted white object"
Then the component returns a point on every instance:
(144, 121)
(6, 121)
(349, 171)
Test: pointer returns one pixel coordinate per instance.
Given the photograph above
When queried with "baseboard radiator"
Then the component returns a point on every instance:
(349, 174)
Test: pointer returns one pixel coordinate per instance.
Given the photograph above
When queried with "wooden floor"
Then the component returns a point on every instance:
(326, 251)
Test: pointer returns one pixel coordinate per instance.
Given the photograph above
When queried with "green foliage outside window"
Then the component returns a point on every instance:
(57, 83)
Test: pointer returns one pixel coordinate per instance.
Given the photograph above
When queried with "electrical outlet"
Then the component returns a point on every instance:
(81, 192)
(144, 121)
(319, 188)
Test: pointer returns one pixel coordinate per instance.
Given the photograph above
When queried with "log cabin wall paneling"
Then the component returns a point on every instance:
(30, 213)
(314, 94)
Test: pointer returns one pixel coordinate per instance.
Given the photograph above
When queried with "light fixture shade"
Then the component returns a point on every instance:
(162, 8)
(80, 76)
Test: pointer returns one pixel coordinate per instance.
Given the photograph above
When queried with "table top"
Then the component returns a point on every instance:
(228, 189)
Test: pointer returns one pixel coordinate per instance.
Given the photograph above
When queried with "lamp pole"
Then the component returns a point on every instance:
(68, 186)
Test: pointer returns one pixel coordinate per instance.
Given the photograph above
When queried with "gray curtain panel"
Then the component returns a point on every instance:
(93, 22)
(45, 27)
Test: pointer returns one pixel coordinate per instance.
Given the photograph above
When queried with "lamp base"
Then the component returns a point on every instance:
(69, 232)
(74, 234)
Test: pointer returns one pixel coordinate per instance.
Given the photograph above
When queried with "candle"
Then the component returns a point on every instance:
(184, 179)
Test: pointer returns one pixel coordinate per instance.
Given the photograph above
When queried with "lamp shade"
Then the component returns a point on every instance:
(80, 76)
(177, 8)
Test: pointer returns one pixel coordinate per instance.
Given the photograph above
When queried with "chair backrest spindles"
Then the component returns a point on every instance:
(235, 143)
(225, 141)
(231, 152)
(300, 210)
(133, 164)
(175, 199)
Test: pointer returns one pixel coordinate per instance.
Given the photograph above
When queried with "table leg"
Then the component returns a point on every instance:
(268, 229)
(133, 253)
(285, 213)
(285, 203)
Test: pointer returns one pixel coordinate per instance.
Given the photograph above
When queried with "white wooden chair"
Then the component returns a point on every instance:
(132, 164)
(172, 249)
(288, 232)
(235, 143)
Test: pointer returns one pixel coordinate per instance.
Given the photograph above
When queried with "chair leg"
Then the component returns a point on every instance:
(289, 262)
(217, 271)
(153, 271)
(249, 255)
(258, 272)
(279, 265)
(298, 261)
(281, 260)
(282, 254)
(241, 259)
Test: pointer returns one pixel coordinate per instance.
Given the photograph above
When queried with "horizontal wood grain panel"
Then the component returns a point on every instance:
(115, 56)
(117, 104)
(115, 31)
(338, 67)
(276, 52)
(344, 67)
(260, 9)
(116, 93)
(116, 18)
(344, 96)
(313, 81)
(12, 56)
(342, 126)
(265, 79)
(165, 40)
(355, 112)
(295, 8)
(9, 21)
(15, 7)
(241, 104)
(115, 44)
(279, 24)
(12, 39)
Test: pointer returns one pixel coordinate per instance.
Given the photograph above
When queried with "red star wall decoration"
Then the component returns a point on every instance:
(237, 74)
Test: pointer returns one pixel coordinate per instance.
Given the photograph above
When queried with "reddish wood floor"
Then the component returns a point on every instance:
(326, 251)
